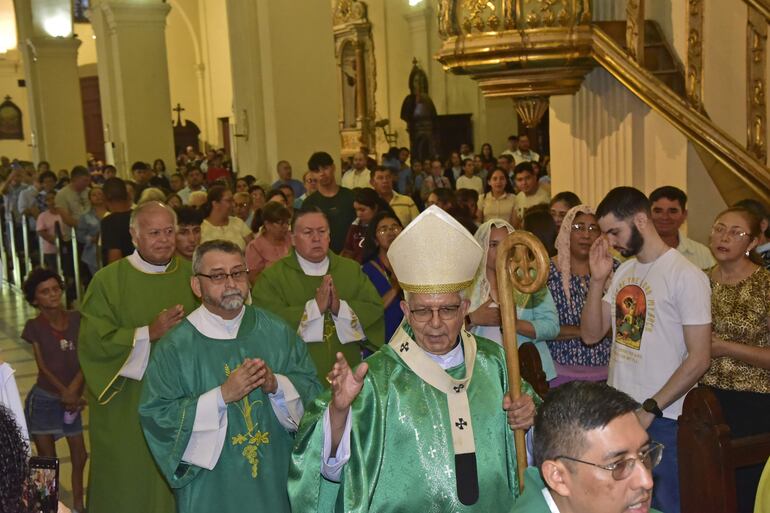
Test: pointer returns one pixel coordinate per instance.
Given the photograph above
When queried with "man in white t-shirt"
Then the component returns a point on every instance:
(524, 153)
(359, 176)
(659, 308)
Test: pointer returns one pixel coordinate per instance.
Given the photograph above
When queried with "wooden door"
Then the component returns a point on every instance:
(224, 131)
(92, 116)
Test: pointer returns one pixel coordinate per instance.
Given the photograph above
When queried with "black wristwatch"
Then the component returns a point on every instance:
(651, 405)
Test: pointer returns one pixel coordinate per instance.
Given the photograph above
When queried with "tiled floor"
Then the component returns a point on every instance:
(14, 312)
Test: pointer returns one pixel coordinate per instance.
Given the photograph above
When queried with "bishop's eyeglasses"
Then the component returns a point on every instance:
(445, 313)
(221, 277)
(623, 468)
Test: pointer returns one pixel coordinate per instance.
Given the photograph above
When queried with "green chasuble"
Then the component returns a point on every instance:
(284, 288)
(123, 476)
(402, 458)
(533, 500)
(252, 469)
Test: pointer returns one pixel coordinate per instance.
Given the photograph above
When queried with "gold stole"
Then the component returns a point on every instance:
(456, 391)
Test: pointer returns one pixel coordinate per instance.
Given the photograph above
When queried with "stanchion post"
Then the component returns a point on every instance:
(75, 262)
(14, 256)
(26, 242)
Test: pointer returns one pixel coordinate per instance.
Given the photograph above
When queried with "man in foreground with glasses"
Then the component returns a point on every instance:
(591, 454)
(128, 307)
(658, 306)
(326, 298)
(224, 393)
(425, 423)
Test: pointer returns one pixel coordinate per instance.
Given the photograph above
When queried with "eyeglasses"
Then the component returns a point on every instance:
(389, 229)
(623, 468)
(732, 233)
(445, 313)
(242, 205)
(582, 227)
(220, 277)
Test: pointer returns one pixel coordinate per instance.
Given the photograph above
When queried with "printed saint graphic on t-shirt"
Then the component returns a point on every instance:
(630, 316)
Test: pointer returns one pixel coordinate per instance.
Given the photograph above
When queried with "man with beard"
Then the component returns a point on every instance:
(224, 394)
(658, 306)
(128, 307)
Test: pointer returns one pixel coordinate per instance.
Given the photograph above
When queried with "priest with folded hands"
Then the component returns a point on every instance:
(224, 393)
(425, 424)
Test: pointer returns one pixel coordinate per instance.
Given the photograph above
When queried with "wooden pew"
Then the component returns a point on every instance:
(532, 368)
(708, 456)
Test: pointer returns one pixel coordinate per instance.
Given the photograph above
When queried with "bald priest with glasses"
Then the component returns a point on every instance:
(224, 393)
(591, 453)
(425, 423)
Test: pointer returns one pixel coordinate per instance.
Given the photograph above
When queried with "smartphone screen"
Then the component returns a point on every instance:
(43, 487)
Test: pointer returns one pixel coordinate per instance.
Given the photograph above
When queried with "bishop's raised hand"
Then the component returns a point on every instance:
(345, 383)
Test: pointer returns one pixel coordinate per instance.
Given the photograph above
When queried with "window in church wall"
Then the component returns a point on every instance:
(79, 8)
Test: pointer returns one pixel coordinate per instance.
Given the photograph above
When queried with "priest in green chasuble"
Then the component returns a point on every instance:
(129, 305)
(425, 424)
(224, 394)
(327, 298)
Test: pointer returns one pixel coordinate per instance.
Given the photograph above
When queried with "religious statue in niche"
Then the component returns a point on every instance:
(348, 80)
(419, 113)
(354, 53)
(10, 120)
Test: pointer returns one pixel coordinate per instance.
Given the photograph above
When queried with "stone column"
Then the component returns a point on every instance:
(50, 51)
(285, 93)
(133, 80)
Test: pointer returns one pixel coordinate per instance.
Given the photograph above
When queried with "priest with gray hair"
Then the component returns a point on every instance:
(129, 305)
(425, 424)
(224, 394)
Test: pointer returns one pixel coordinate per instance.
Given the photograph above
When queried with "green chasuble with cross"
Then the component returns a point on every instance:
(252, 469)
(402, 456)
(284, 288)
(123, 477)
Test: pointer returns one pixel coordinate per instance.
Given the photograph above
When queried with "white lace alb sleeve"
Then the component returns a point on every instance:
(140, 355)
(331, 467)
(209, 430)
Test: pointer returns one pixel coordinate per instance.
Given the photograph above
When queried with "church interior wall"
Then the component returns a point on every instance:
(604, 137)
(182, 45)
(218, 82)
(724, 68)
(87, 49)
(11, 71)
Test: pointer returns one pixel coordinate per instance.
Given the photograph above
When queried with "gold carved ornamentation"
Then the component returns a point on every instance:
(354, 53)
(756, 48)
(446, 18)
(349, 10)
(473, 11)
(531, 109)
(694, 78)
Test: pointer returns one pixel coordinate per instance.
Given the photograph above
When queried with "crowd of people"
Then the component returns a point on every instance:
(318, 346)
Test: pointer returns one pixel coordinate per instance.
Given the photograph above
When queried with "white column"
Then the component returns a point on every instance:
(133, 80)
(49, 51)
(285, 93)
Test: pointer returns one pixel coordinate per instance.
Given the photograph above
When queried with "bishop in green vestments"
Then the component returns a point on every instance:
(128, 306)
(327, 298)
(425, 424)
(224, 393)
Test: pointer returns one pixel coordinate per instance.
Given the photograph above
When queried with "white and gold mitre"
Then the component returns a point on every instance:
(435, 254)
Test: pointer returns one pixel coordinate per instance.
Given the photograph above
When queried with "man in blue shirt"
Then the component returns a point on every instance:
(284, 178)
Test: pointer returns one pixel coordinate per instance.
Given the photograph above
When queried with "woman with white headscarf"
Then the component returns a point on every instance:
(568, 282)
(538, 320)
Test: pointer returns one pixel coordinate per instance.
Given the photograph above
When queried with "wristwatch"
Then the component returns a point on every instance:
(651, 405)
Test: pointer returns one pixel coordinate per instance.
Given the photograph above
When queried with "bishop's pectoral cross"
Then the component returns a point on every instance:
(179, 109)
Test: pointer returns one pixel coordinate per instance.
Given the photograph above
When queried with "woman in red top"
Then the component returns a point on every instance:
(53, 405)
